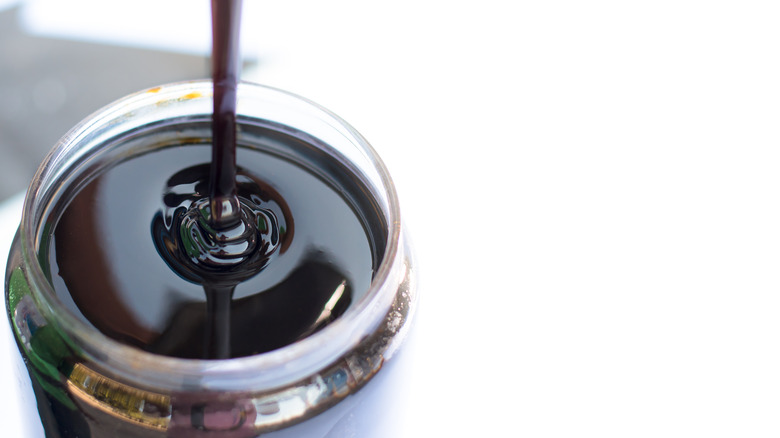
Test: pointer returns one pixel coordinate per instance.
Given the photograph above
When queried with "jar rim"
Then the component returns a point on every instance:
(264, 371)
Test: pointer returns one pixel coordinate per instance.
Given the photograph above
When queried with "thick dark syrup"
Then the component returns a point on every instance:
(226, 211)
(225, 66)
(106, 264)
(135, 244)
(282, 244)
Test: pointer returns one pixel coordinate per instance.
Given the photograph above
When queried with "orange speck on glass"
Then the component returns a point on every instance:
(193, 95)
(154, 90)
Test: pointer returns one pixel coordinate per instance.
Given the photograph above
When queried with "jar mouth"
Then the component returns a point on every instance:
(265, 371)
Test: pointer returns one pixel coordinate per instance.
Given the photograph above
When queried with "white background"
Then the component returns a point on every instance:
(592, 189)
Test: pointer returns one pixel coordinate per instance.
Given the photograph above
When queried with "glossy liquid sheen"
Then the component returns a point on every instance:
(218, 227)
(108, 259)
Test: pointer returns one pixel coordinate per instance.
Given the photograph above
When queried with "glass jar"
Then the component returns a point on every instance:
(88, 384)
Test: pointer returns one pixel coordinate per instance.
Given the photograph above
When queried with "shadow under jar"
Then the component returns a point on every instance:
(112, 331)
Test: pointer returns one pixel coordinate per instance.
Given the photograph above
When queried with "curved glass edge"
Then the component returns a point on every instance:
(322, 347)
(52, 360)
(154, 392)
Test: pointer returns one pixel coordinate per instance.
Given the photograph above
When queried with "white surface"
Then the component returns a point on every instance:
(593, 192)
(18, 400)
(169, 24)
